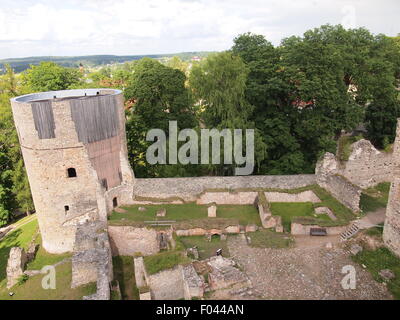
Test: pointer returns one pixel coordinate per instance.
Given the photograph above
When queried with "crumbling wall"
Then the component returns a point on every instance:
(92, 259)
(391, 230)
(365, 167)
(342, 189)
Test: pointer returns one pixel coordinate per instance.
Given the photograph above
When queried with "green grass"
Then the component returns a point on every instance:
(124, 272)
(20, 237)
(206, 248)
(375, 197)
(375, 231)
(269, 239)
(376, 260)
(164, 260)
(176, 212)
(32, 288)
(290, 210)
(246, 214)
(188, 215)
(43, 258)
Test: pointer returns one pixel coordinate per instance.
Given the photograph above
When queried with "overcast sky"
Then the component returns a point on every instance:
(129, 27)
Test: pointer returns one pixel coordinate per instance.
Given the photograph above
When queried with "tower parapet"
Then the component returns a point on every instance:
(74, 148)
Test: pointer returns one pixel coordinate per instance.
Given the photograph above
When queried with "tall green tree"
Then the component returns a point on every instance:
(14, 186)
(218, 84)
(49, 76)
(159, 96)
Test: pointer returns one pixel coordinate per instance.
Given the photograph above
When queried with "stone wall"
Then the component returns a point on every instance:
(189, 189)
(365, 167)
(305, 196)
(342, 189)
(92, 260)
(391, 230)
(239, 198)
(130, 241)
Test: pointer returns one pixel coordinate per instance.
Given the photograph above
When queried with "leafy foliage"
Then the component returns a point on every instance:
(49, 76)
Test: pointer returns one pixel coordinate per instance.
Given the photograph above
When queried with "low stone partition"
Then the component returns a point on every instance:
(266, 217)
(131, 241)
(239, 198)
(203, 232)
(304, 230)
(92, 260)
(304, 196)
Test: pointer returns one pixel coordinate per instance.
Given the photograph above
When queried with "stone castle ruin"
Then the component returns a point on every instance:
(74, 147)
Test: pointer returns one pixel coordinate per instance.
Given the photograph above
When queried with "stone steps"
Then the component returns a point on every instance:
(350, 231)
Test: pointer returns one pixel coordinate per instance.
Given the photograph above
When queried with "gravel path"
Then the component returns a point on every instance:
(305, 272)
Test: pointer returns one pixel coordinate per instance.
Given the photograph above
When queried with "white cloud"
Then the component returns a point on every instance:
(75, 27)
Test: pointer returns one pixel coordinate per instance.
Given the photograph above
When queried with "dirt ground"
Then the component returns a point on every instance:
(310, 270)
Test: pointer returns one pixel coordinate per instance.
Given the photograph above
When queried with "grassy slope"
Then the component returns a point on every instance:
(20, 237)
(32, 288)
(376, 260)
(124, 272)
(375, 198)
(44, 258)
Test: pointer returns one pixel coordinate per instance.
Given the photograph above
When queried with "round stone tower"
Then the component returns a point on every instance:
(74, 147)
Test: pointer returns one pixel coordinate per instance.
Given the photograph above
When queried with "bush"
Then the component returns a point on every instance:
(22, 279)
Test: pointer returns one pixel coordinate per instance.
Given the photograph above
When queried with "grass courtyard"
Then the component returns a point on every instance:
(190, 214)
(290, 210)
